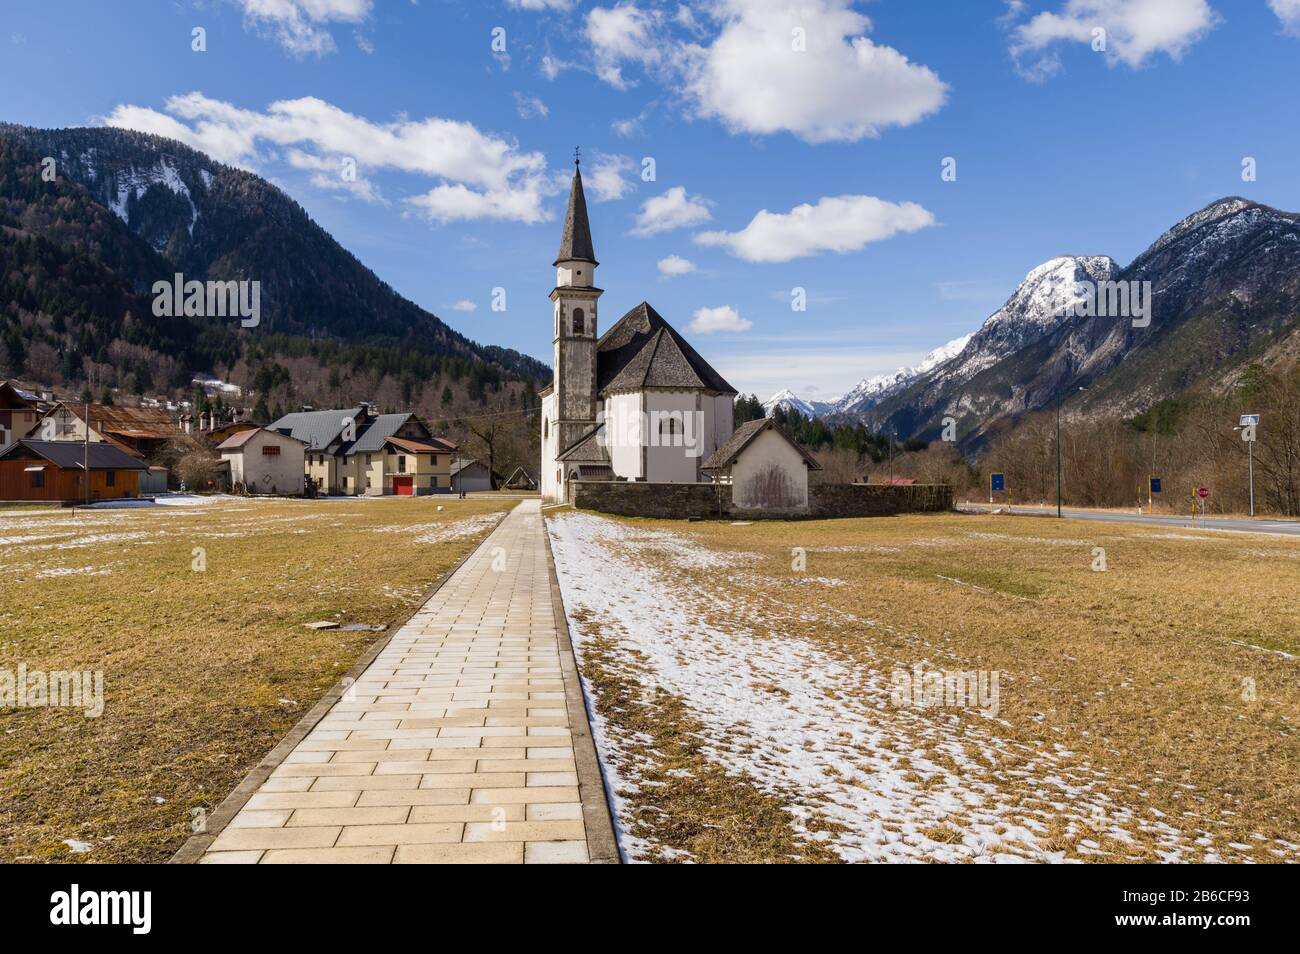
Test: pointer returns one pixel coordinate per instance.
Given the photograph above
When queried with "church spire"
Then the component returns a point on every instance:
(575, 243)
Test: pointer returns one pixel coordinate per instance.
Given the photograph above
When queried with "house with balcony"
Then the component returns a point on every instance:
(356, 452)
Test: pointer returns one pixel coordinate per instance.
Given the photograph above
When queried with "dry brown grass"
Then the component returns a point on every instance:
(1140, 671)
(203, 671)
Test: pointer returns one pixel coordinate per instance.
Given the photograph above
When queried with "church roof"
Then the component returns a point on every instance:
(641, 350)
(575, 243)
(743, 436)
(587, 449)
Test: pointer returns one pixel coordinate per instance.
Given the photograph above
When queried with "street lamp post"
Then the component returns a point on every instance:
(1247, 427)
(1058, 451)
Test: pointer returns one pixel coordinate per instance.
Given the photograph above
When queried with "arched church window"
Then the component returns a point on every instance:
(546, 427)
(668, 426)
(579, 321)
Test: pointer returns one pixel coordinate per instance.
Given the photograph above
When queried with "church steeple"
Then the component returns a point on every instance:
(575, 242)
(575, 297)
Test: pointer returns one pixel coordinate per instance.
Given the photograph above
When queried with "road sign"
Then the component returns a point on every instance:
(997, 482)
(1249, 420)
(1155, 485)
(1202, 492)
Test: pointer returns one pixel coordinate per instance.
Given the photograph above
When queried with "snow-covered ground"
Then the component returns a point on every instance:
(812, 727)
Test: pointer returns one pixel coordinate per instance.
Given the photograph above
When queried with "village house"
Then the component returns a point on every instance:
(355, 452)
(637, 403)
(20, 409)
(468, 476)
(263, 461)
(56, 471)
(140, 431)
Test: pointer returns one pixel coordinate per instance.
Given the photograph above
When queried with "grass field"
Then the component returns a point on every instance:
(195, 616)
(745, 680)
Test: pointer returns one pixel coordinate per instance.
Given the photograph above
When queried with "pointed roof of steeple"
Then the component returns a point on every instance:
(575, 243)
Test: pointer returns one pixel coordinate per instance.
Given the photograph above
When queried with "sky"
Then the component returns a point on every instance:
(898, 165)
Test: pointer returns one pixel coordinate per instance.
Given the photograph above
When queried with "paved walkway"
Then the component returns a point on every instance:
(455, 745)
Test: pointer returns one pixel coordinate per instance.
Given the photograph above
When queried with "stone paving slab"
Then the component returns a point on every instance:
(455, 745)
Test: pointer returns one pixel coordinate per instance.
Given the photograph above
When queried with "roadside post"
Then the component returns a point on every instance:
(1247, 427)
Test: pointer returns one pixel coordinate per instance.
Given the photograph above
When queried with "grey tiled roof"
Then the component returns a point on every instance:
(70, 454)
(587, 449)
(740, 439)
(575, 243)
(371, 440)
(641, 350)
(317, 429)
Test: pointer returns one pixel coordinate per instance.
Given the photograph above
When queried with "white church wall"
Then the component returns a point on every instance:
(769, 474)
(674, 458)
(623, 431)
(550, 487)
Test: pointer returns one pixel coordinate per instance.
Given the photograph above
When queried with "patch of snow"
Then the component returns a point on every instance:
(827, 740)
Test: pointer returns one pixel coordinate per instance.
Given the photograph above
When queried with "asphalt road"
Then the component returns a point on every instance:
(1285, 527)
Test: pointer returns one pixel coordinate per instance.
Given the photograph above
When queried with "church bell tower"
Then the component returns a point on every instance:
(574, 297)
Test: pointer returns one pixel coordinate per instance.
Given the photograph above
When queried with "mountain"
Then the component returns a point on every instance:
(1224, 292)
(871, 391)
(792, 402)
(128, 209)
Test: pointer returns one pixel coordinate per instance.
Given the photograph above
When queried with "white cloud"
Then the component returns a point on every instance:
(624, 33)
(609, 176)
(1135, 31)
(540, 4)
(1288, 11)
(300, 26)
(463, 304)
(675, 265)
(626, 128)
(835, 224)
(841, 87)
(478, 175)
(723, 318)
(530, 107)
(672, 210)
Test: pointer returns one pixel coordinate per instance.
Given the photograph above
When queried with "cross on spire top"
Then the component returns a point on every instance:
(577, 155)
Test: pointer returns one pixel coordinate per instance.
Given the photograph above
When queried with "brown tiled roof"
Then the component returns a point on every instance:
(416, 447)
(741, 438)
(641, 350)
(134, 421)
(239, 439)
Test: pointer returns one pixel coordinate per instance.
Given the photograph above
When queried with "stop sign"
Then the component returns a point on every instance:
(1202, 492)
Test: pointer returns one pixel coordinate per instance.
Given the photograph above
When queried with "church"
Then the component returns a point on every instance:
(636, 403)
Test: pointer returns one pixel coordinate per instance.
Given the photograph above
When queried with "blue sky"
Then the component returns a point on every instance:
(462, 151)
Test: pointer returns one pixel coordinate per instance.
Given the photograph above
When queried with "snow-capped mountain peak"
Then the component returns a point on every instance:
(792, 402)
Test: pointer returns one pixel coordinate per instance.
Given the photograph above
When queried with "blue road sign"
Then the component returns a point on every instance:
(1155, 485)
(999, 482)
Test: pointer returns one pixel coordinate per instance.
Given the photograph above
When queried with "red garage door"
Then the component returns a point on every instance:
(404, 486)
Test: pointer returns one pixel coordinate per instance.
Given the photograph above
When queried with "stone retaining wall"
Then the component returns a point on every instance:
(637, 499)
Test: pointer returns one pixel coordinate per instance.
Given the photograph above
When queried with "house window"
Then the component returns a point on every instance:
(546, 427)
(38, 479)
(271, 450)
(368, 456)
(401, 464)
(579, 322)
(433, 459)
(668, 426)
(369, 483)
(110, 478)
